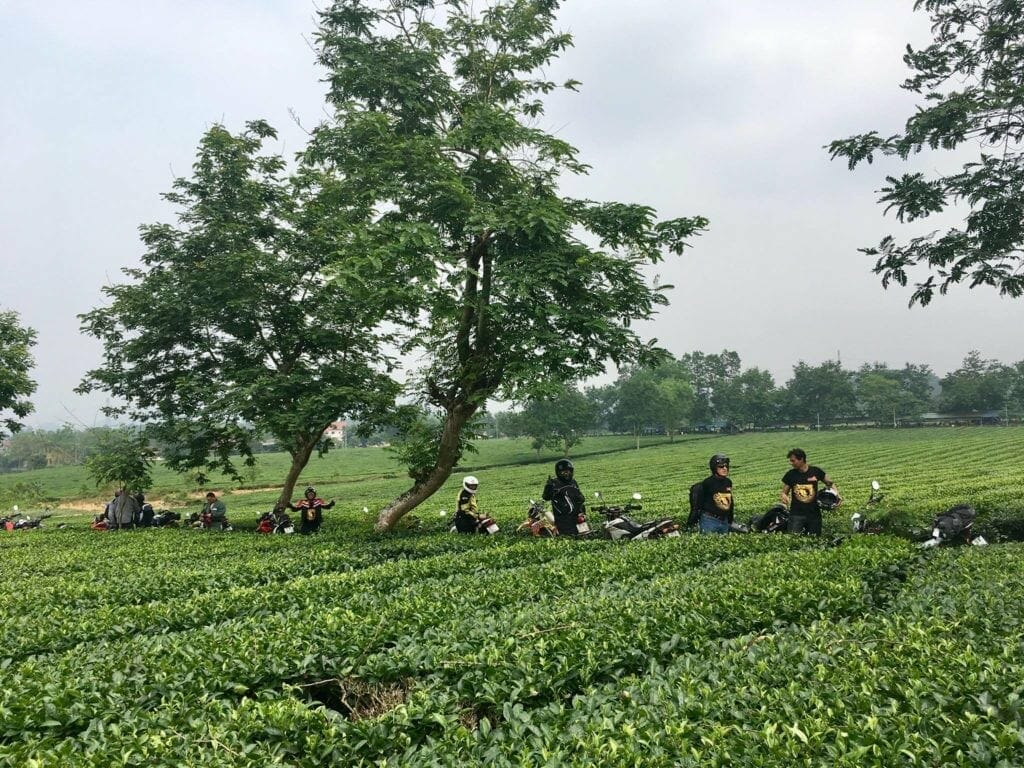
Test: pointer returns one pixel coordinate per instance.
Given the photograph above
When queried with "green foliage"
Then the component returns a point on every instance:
(977, 385)
(15, 364)
(557, 420)
(123, 458)
(233, 329)
(821, 393)
(436, 107)
(970, 82)
(420, 434)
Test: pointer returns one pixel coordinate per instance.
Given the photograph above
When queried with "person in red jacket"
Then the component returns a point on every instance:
(312, 510)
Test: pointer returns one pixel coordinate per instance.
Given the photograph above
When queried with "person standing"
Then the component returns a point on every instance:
(312, 509)
(566, 499)
(716, 502)
(800, 493)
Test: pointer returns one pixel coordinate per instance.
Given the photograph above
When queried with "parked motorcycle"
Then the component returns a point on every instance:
(19, 521)
(165, 518)
(955, 526)
(484, 525)
(539, 522)
(619, 526)
(860, 520)
(275, 521)
(204, 521)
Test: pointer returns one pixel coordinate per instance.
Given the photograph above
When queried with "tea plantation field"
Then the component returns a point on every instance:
(420, 648)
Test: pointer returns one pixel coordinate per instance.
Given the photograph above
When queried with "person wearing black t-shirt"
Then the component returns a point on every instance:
(716, 504)
(800, 493)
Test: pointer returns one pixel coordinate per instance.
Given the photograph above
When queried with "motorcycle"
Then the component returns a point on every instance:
(955, 526)
(619, 526)
(19, 521)
(859, 520)
(275, 521)
(204, 521)
(165, 519)
(484, 525)
(539, 522)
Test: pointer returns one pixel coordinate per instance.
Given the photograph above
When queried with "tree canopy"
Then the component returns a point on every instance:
(437, 107)
(971, 80)
(16, 361)
(232, 327)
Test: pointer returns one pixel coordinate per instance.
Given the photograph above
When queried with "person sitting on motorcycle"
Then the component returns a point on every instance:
(716, 503)
(312, 509)
(566, 499)
(467, 514)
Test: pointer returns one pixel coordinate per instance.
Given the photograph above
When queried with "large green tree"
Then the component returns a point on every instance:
(16, 361)
(977, 385)
(971, 80)
(437, 112)
(749, 400)
(820, 394)
(709, 375)
(557, 420)
(122, 457)
(232, 328)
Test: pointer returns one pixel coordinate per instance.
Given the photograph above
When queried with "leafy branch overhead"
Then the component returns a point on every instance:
(971, 78)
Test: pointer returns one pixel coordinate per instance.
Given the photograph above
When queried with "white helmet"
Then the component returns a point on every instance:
(470, 483)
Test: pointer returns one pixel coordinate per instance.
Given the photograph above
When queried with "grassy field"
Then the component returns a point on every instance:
(178, 647)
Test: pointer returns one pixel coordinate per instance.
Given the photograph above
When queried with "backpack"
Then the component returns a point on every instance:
(568, 500)
(696, 503)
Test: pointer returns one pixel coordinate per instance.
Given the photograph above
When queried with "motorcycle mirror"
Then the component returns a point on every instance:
(637, 497)
(874, 485)
(532, 502)
(15, 507)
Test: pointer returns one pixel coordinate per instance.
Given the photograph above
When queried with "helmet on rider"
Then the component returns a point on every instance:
(310, 491)
(718, 460)
(828, 499)
(470, 484)
(564, 469)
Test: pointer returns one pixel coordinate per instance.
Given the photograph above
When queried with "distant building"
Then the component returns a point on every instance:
(337, 432)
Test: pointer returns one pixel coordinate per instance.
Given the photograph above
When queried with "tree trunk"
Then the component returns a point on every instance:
(447, 456)
(299, 460)
(636, 434)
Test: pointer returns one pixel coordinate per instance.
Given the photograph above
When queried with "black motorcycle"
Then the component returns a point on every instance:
(165, 518)
(619, 526)
(860, 520)
(19, 521)
(955, 526)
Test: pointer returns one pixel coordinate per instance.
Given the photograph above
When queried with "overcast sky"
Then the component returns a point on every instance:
(692, 106)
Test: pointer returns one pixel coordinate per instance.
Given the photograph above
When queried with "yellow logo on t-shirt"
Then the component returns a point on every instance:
(804, 493)
(722, 500)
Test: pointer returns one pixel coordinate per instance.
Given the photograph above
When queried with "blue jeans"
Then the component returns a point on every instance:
(709, 524)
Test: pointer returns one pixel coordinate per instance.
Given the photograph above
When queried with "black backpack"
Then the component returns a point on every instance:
(696, 503)
(568, 500)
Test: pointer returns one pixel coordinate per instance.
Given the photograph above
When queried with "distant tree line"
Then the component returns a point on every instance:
(713, 392)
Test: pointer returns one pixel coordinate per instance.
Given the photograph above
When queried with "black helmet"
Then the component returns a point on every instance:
(563, 465)
(828, 499)
(309, 489)
(718, 460)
